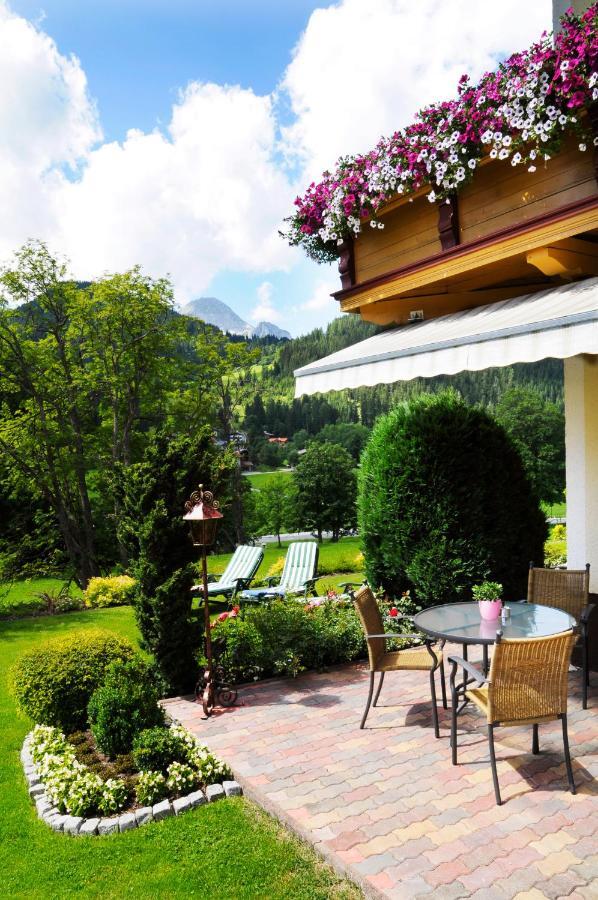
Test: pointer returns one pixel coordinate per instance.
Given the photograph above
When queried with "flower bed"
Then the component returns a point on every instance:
(521, 114)
(74, 798)
(287, 637)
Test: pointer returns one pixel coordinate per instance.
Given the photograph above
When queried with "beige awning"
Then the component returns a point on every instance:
(559, 322)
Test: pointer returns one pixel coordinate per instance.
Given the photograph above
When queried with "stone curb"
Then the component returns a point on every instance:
(94, 826)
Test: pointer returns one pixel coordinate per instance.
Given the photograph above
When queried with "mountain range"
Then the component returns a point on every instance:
(216, 312)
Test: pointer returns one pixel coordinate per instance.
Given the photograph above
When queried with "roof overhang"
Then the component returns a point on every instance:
(560, 322)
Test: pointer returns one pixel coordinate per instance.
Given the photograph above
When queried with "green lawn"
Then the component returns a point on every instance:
(229, 850)
(555, 510)
(257, 480)
(19, 598)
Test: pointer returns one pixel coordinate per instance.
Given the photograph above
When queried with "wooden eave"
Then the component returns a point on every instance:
(465, 258)
(507, 233)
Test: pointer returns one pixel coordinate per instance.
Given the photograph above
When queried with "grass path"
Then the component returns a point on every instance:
(222, 852)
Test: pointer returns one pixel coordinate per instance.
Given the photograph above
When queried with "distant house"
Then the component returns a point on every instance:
(278, 440)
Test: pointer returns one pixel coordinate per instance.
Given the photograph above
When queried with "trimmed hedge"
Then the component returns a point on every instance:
(54, 682)
(445, 503)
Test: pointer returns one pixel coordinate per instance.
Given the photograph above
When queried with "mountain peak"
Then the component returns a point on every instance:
(216, 312)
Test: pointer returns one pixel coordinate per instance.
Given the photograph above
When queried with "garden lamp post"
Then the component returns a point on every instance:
(203, 515)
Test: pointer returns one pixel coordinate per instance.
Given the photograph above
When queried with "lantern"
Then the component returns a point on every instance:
(203, 515)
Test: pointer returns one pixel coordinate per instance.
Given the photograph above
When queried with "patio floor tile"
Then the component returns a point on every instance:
(386, 805)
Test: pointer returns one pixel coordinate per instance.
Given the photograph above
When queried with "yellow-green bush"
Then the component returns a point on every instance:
(116, 590)
(54, 682)
(555, 548)
(275, 570)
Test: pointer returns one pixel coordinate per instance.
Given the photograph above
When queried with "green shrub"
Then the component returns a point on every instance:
(286, 637)
(54, 682)
(154, 749)
(116, 590)
(445, 503)
(125, 704)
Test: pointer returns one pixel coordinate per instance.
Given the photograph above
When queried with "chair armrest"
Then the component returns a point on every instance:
(350, 584)
(311, 581)
(271, 579)
(586, 613)
(469, 667)
(212, 578)
(400, 637)
(241, 584)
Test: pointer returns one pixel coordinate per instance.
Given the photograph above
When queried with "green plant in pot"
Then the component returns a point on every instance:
(488, 594)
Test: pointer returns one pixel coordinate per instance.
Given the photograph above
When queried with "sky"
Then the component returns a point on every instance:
(177, 134)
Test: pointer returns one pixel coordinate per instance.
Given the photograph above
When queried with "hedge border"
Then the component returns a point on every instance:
(79, 826)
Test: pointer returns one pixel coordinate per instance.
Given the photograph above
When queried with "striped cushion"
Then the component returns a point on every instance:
(300, 565)
(244, 563)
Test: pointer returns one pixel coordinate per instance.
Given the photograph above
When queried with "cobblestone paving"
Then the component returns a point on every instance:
(386, 806)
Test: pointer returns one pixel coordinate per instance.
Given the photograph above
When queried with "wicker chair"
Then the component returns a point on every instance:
(527, 685)
(425, 658)
(566, 589)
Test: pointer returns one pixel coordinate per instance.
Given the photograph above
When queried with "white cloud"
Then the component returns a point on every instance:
(320, 298)
(265, 311)
(207, 194)
(47, 121)
(206, 197)
(361, 70)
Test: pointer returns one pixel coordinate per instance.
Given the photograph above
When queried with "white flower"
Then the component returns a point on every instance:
(531, 169)
(503, 154)
(583, 148)
(493, 153)
(472, 163)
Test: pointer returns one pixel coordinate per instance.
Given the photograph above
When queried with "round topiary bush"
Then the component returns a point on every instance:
(154, 749)
(53, 683)
(125, 704)
(444, 502)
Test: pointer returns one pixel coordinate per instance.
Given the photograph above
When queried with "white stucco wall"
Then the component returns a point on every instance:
(581, 435)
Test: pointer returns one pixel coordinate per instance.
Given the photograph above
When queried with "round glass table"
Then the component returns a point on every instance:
(461, 623)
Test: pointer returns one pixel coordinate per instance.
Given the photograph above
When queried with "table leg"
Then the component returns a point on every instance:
(485, 658)
(464, 670)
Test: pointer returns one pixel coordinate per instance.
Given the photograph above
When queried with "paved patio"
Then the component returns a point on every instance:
(386, 806)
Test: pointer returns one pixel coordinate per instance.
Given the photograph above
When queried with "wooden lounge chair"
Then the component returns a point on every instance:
(566, 589)
(298, 575)
(426, 658)
(527, 685)
(238, 574)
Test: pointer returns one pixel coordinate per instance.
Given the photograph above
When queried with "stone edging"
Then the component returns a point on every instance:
(77, 825)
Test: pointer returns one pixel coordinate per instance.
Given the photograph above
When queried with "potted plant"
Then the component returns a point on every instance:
(489, 600)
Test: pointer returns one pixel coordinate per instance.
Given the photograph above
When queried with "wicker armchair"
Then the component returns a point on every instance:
(566, 589)
(527, 685)
(381, 660)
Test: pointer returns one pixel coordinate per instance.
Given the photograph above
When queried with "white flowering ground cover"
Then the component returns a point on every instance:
(71, 798)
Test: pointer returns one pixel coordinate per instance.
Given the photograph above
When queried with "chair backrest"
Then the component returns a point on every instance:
(529, 678)
(566, 589)
(300, 564)
(244, 563)
(370, 617)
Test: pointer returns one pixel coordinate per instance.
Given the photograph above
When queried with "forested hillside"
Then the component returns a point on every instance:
(274, 409)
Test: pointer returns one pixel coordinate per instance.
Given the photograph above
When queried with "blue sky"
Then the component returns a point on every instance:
(137, 54)
(177, 134)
